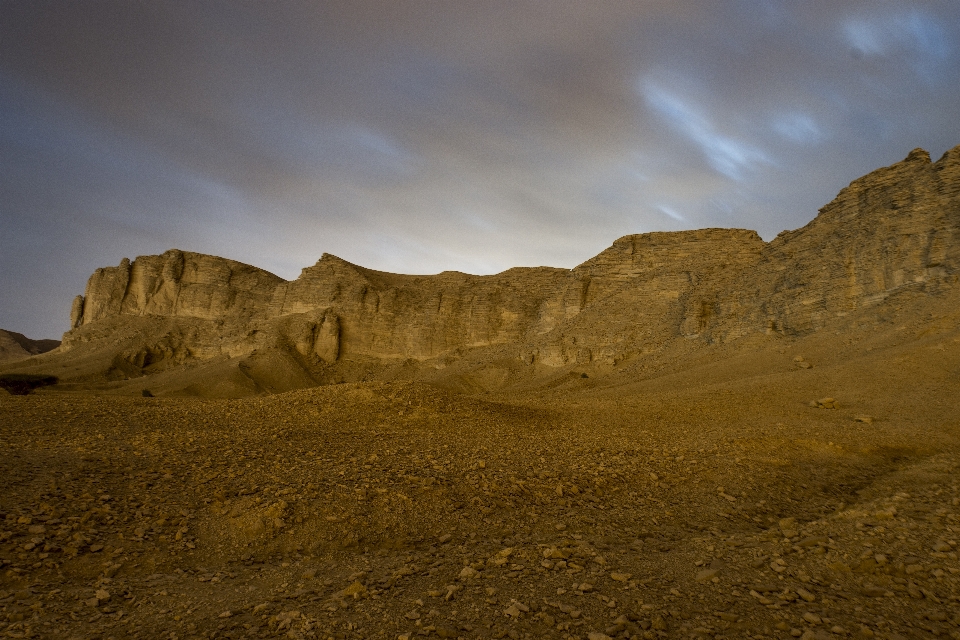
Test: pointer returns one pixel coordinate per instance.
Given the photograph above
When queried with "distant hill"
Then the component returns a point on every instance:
(16, 346)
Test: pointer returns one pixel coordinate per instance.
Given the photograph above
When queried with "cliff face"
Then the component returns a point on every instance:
(388, 315)
(177, 283)
(896, 228)
(640, 292)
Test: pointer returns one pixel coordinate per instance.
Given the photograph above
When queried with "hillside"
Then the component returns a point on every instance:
(16, 346)
(190, 324)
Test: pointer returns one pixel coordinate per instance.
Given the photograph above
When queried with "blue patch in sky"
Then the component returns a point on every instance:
(671, 212)
(727, 155)
(798, 127)
(914, 35)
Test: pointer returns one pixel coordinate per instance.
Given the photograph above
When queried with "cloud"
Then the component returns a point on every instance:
(798, 127)
(911, 30)
(726, 154)
(420, 137)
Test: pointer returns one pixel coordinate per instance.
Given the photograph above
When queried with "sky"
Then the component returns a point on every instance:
(417, 136)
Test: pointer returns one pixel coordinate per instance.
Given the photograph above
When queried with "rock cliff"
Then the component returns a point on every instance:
(177, 283)
(895, 229)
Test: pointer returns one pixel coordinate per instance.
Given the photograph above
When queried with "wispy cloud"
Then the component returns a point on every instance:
(732, 157)
(419, 137)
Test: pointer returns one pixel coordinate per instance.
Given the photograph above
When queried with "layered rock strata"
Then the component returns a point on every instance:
(894, 229)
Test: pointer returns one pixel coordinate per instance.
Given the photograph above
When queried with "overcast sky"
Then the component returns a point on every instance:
(421, 136)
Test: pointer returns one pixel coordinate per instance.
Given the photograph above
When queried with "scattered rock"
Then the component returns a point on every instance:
(812, 618)
(825, 403)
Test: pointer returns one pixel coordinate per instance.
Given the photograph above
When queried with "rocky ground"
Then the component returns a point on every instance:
(806, 490)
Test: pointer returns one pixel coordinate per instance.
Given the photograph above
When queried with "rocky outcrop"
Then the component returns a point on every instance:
(643, 290)
(397, 316)
(179, 284)
(897, 228)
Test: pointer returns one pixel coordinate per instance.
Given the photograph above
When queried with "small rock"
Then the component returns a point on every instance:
(585, 587)
(594, 635)
(827, 403)
(355, 590)
(864, 418)
(102, 595)
(939, 546)
(813, 541)
(806, 595)
(812, 618)
(788, 525)
(706, 574)
(468, 573)
(225, 614)
(445, 538)
(837, 629)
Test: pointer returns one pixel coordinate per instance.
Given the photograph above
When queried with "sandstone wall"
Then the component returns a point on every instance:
(389, 315)
(176, 283)
(643, 290)
(896, 228)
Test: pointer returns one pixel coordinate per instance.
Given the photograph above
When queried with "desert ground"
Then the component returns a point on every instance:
(789, 487)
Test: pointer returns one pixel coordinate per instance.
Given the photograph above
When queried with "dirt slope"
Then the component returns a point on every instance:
(706, 497)
(16, 346)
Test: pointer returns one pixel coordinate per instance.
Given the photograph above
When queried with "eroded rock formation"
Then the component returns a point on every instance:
(896, 228)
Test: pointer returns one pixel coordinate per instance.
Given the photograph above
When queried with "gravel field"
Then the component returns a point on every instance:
(748, 497)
